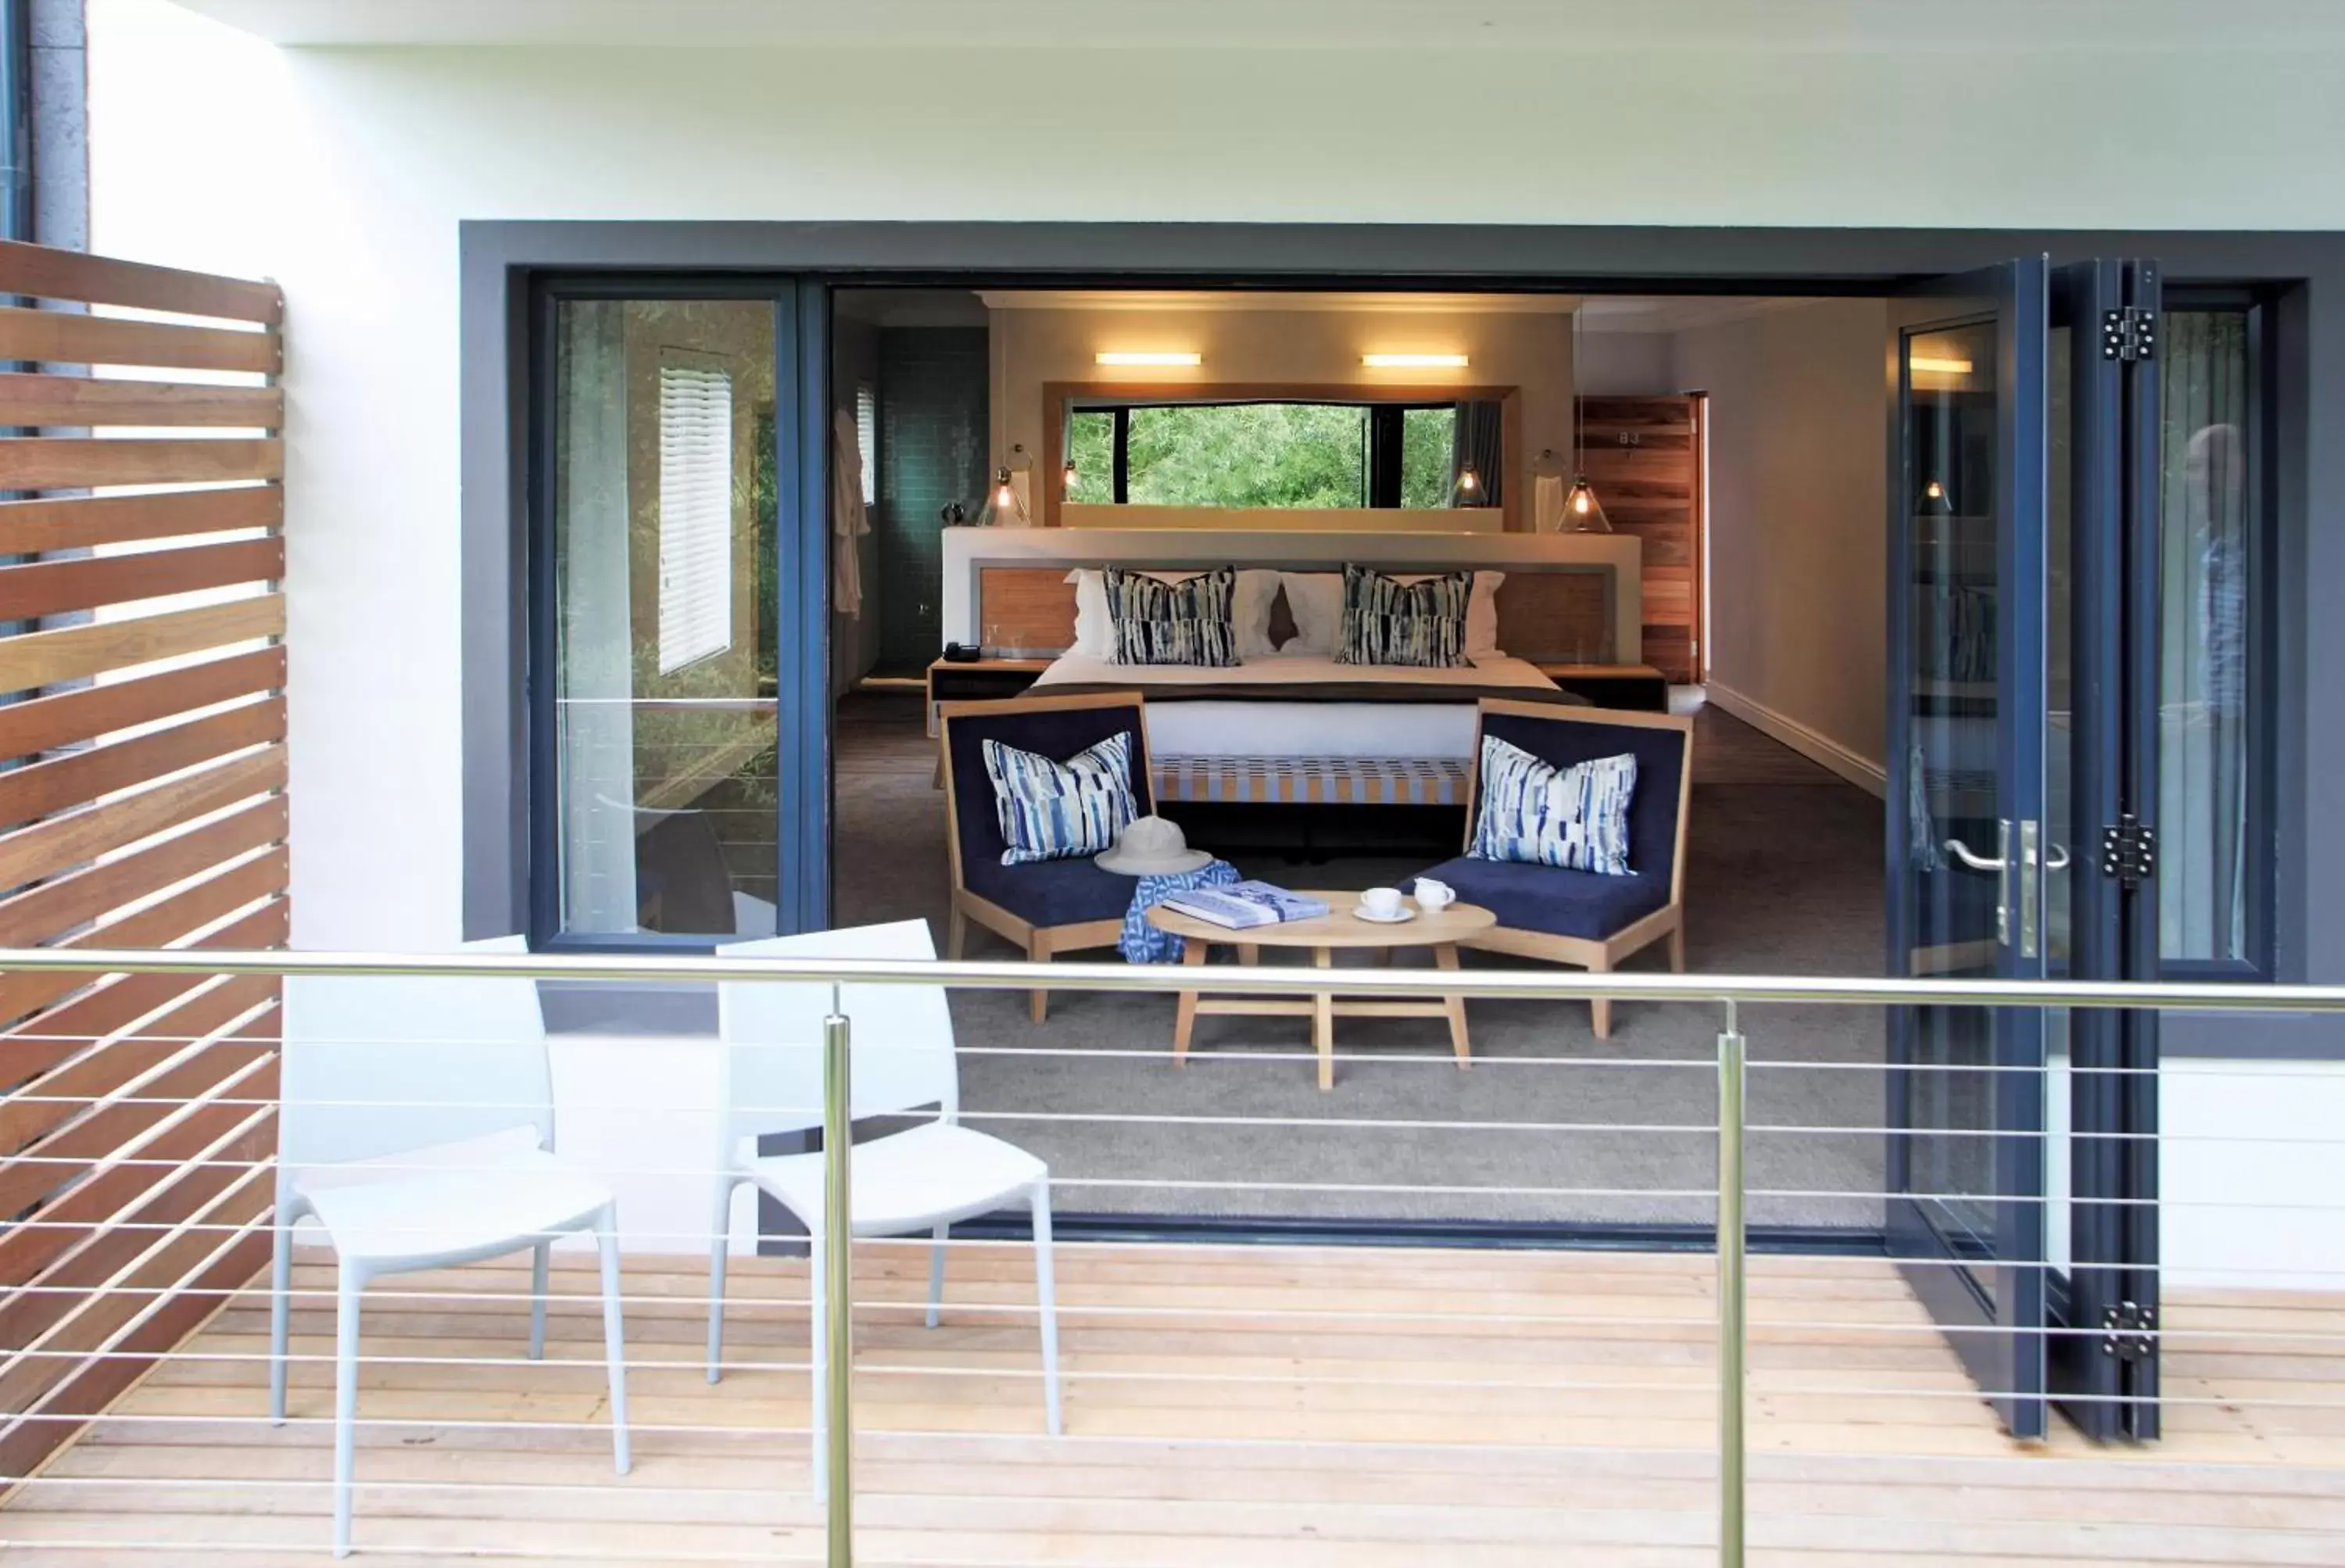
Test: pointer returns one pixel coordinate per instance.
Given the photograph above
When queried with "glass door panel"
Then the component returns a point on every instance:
(678, 617)
(1967, 724)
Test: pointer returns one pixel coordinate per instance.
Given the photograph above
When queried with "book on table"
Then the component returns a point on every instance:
(1240, 906)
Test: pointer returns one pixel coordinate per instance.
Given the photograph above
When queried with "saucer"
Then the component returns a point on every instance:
(1360, 911)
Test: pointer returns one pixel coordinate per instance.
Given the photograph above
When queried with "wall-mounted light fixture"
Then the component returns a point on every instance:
(1148, 357)
(1413, 362)
(1943, 367)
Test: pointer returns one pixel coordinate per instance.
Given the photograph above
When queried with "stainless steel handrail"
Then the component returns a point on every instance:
(1729, 990)
(1558, 985)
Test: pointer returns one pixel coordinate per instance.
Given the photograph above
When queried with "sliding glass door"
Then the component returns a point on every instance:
(678, 617)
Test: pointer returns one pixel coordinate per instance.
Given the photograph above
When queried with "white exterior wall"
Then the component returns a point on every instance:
(345, 172)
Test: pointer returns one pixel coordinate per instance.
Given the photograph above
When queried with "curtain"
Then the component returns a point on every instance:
(1476, 445)
(2205, 557)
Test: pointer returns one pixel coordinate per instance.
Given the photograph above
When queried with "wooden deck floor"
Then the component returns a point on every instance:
(1239, 1408)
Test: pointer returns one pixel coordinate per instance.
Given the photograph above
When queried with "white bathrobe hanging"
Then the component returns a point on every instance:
(848, 521)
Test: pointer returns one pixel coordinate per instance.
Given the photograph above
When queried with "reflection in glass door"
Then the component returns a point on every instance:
(675, 629)
(1966, 829)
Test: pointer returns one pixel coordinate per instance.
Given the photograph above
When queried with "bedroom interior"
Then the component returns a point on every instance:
(1010, 450)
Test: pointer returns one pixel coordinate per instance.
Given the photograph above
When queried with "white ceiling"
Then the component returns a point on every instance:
(2101, 26)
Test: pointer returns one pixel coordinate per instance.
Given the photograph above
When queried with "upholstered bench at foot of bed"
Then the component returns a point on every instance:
(1313, 780)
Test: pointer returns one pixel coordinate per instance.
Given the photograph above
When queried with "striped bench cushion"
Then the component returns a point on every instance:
(1313, 780)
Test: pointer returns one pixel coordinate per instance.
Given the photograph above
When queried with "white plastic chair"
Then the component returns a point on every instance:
(902, 1059)
(416, 1127)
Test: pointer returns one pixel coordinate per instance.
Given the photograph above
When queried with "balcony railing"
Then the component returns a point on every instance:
(2274, 1532)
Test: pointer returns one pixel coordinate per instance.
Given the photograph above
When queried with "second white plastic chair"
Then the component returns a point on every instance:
(902, 1060)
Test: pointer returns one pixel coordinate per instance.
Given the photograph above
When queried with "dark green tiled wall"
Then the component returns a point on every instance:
(933, 422)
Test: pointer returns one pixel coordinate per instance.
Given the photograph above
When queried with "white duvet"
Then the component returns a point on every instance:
(1179, 727)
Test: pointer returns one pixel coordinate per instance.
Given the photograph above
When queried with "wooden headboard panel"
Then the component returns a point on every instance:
(1029, 609)
(1551, 616)
(1569, 599)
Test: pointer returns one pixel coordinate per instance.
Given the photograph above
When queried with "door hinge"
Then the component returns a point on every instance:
(2128, 333)
(2129, 1331)
(2129, 851)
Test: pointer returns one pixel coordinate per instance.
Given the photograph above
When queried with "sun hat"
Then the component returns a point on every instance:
(1151, 846)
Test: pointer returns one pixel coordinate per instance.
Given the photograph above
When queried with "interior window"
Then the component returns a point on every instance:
(695, 514)
(1311, 455)
(866, 439)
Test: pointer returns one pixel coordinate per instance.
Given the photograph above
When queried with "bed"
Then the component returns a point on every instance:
(1302, 729)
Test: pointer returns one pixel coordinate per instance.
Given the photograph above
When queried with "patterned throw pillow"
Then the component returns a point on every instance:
(1053, 810)
(1386, 621)
(1156, 622)
(1576, 817)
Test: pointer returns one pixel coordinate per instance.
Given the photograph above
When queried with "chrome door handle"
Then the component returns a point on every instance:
(1971, 858)
(2056, 858)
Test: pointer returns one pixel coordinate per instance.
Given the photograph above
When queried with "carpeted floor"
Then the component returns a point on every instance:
(1550, 1124)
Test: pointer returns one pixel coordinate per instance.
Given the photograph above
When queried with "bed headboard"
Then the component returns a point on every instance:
(1568, 597)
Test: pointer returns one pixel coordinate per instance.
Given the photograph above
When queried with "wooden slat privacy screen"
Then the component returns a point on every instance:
(142, 804)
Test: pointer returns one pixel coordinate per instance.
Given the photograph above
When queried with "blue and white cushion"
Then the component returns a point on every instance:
(1194, 622)
(1055, 810)
(1387, 621)
(1576, 817)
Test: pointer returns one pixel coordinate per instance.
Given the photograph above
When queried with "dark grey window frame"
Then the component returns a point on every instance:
(2302, 274)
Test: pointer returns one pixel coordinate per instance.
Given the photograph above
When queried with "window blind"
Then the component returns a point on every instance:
(867, 439)
(695, 529)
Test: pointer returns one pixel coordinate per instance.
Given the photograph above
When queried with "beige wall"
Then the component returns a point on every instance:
(1798, 552)
(1314, 347)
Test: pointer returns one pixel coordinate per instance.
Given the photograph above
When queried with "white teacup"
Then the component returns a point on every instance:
(1433, 897)
(1382, 902)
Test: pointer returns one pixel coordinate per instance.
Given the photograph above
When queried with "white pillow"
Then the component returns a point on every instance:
(1481, 612)
(1250, 608)
(1094, 628)
(1482, 616)
(1316, 601)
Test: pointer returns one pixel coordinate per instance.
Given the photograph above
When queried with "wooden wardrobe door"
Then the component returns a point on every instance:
(1643, 455)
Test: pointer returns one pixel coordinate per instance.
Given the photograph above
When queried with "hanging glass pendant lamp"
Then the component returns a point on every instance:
(1582, 513)
(1005, 504)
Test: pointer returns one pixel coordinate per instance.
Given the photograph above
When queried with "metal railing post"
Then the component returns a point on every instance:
(1731, 1293)
(837, 1349)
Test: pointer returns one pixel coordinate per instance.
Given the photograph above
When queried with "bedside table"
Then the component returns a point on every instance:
(978, 680)
(1633, 688)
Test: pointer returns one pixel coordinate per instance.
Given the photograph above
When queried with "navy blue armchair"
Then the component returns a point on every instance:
(1587, 918)
(1045, 906)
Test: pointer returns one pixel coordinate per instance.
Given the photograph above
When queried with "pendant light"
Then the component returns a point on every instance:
(1582, 513)
(1005, 504)
(1468, 491)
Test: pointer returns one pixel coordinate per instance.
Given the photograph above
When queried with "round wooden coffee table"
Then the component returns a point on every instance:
(1441, 931)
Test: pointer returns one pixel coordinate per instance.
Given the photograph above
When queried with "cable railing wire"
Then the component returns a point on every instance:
(1738, 1137)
